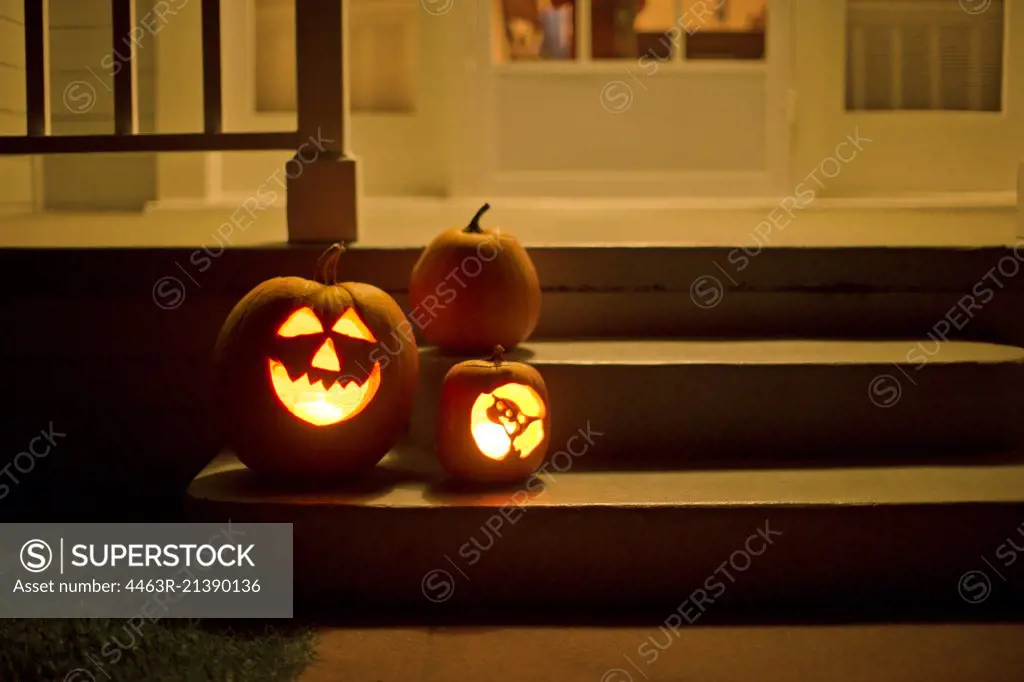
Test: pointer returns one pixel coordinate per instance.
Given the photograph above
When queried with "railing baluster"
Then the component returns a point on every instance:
(212, 97)
(126, 120)
(321, 175)
(37, 67)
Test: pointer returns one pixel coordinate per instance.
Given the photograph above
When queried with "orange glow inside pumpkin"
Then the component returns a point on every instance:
(327, 358)
(349, 324)
(300, 323)
(319, 405)
(508, 421)
(317, 402)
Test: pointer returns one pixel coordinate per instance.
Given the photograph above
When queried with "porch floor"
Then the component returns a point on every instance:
(388, 223)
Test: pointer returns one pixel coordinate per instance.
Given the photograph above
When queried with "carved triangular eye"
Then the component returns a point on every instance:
(352, 326)
(300, 323)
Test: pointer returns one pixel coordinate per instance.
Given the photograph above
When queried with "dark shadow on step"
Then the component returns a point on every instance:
(420, 465)
(439, 487)
(244, 484)
(450, 491)
(411, 458)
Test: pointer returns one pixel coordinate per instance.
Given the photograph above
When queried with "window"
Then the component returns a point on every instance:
(631, 29)
(923, 55)
(538, 29)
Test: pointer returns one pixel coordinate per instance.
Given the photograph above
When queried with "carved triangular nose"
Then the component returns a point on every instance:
(326, 358)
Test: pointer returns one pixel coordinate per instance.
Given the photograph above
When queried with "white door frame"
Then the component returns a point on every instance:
(473, 132)
(781, 40)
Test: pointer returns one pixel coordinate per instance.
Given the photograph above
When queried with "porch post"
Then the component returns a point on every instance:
(322, 183)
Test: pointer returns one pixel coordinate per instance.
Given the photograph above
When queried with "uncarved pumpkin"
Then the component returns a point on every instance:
(473, 289)
(314, 377)
(493, 420)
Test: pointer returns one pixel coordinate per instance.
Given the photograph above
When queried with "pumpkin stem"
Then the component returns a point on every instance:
(474, 224)
(327, 264)
(497, 355)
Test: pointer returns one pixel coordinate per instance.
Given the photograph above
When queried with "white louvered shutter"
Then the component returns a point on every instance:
(923, 54)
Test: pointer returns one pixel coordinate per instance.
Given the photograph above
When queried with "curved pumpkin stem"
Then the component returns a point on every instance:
(327, 264)
(474, 224)
(497, 355)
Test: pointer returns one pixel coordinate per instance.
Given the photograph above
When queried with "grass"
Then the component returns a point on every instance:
(102, 650)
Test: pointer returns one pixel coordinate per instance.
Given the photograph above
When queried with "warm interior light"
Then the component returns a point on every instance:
(318, 404)
(326, 358)
(324, 401)
(350, 324)
(508, 421)
(300, 323)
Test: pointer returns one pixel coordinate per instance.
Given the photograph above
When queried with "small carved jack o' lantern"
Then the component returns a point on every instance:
(315, 377)
(493, 420)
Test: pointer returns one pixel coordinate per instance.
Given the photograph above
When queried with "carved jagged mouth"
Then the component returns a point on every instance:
(320, 403)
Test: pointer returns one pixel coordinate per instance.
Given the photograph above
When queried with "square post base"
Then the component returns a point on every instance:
(322, 198)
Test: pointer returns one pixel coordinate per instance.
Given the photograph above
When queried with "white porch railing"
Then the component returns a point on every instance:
(322, 191)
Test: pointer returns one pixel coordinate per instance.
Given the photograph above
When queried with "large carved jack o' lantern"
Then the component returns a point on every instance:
(315, 377)
(493, 420)
(325, 400)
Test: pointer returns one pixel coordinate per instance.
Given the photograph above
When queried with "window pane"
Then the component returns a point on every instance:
(382, 57)
(924, 54)
(275, 56)
(724, 29)
(536, 29)
(629, 29)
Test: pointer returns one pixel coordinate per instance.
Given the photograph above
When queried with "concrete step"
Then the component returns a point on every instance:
(664, 403)
(770, 541)
(859, 282)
